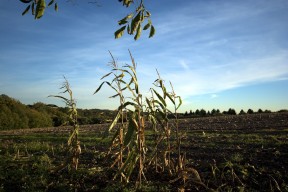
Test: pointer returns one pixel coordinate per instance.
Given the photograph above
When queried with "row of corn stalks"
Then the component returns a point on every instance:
(135, 114)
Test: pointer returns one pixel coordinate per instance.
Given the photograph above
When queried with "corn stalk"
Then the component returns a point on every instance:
(73, 143)
(134, 138)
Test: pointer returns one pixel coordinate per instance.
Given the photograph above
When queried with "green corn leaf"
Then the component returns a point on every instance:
(116, 134)
(159, 103)
(119, 32)
(180, 102)
(105, 75)
(50, 3)
(109, 84)
(126, 104)
(114, 121)
(26, 10)
(113, 96)
(160, 97)
(132, 126)
(131, 167)
(40, 8)
(127, 161)
(71, 137)
(58, 96)
(98, 89)
(171, 99)
(152, 31)
(149, 104)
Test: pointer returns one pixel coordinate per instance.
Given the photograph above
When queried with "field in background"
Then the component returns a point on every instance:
(243, 152)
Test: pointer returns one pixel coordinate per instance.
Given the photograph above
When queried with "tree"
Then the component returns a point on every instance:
(242, 112)
(197, 112)
(186, 114)
(133, 23)
(250, 111)
(191, 113)
(260, 111)
(231, 112)
(202, 113)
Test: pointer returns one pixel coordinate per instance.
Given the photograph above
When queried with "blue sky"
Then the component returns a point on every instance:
(218, 54)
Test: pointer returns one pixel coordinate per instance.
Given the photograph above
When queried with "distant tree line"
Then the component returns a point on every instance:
(217, 112)
(15, 115)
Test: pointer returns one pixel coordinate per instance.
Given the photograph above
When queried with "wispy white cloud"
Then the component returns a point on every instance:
(239, 73)
(212, 96)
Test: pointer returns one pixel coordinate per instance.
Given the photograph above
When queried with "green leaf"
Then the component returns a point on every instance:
(152, 31)
(26, 10)
(40, 8)
(138, 34)
(114, 121)
(105, 75)
(128, 30)
(135, 22)
(56, 7)
(132, 165)
(113, 96)
(99, 88)
(132, 126)
(119, 32)
(130, 157)
(180, 102)
(160, 97)
(122, 22)
(148, 14)
(171, 99)
(50, 3)
(126, 104)
(33, 8)
(146, 26)
(58, 96)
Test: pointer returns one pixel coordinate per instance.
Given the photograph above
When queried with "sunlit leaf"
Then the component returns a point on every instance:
(146, 26)
(171, 99)
(122, 22)
(148, 14)
(119, 32)
(135, 22)
(132, 126)
(159, 97)
(40, 8)
(152, 31)
(114, 121)
(180, 102)
(138, 34)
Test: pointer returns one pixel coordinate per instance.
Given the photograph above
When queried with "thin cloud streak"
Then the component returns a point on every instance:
(238, 74)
